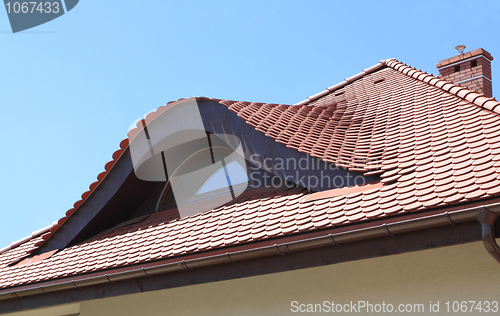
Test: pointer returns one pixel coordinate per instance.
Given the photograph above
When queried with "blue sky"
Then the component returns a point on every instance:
(70, 88)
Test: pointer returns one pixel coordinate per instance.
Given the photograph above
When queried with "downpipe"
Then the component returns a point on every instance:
(487, 219)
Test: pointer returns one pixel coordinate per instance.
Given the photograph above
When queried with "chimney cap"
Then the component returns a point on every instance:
(460, 49)
(467, 55)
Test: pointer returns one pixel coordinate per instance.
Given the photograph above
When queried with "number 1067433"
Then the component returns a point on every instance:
(32, 7)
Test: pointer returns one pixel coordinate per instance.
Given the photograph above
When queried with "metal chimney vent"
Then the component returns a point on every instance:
(460, 49)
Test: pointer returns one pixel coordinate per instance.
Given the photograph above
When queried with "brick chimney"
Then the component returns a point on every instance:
(471, 70)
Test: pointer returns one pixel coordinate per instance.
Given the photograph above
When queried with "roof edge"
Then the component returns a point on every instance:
(92, 187)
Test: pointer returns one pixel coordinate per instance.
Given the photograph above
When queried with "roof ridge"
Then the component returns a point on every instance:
(468, 95)
(346, 81)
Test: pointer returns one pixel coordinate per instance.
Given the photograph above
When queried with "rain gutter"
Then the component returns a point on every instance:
(486, 215)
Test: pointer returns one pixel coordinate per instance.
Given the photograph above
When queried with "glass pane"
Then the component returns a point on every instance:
(218, 180)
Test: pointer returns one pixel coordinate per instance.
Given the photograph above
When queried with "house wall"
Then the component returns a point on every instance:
(66, 310)
(455, 273)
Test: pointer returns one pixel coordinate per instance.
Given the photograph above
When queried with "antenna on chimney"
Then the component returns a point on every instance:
(460, 49)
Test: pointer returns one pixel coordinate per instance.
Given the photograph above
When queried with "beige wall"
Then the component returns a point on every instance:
(69, 309)
(464, 272)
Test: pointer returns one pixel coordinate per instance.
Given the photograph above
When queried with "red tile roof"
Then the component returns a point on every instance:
(13, 255)
(432, 143)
